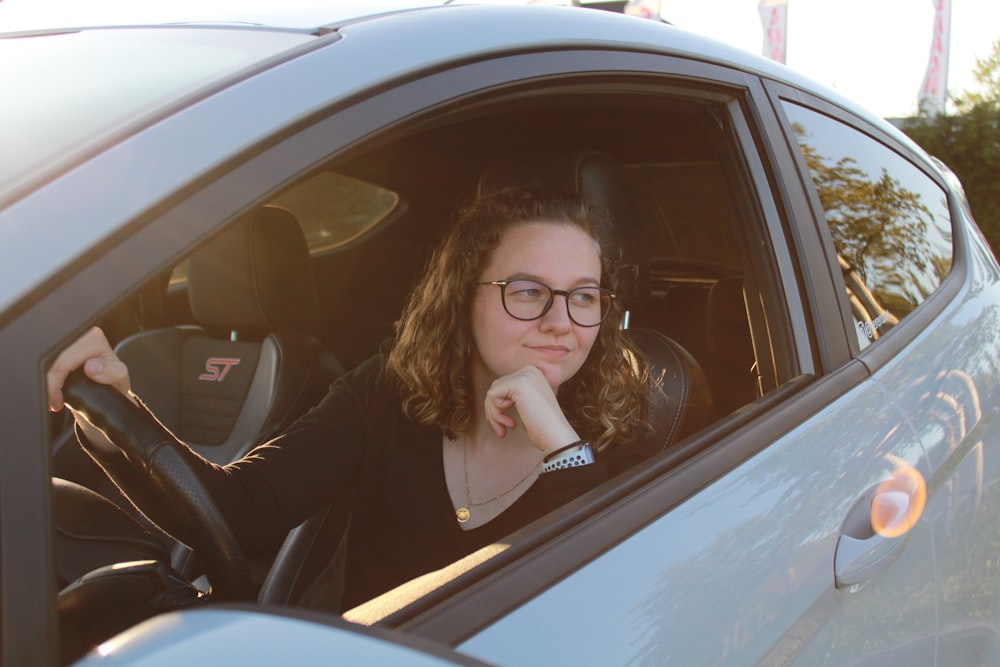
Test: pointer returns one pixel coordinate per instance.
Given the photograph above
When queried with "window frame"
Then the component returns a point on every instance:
(887, 346)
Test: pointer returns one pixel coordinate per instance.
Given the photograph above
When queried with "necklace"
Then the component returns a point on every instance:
(464, 513)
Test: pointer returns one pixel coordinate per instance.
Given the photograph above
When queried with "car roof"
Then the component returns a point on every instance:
(33, 15)
(445, 31)
(540, 27)
(386, 48)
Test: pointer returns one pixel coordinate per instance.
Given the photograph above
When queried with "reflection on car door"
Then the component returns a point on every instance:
(959, 431)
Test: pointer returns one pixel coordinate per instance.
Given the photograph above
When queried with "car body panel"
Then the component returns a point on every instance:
(303, 15)
(166, 68)
(632, 605)
(953, 411)
(252, 638)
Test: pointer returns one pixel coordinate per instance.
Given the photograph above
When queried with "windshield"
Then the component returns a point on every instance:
(63, 91)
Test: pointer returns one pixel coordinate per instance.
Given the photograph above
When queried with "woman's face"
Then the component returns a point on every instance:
(559, 255)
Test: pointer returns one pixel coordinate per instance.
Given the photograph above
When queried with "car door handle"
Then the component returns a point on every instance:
(878, 527)
(860, 559)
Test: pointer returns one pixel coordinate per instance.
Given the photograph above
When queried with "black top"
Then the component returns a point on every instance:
(403, 522)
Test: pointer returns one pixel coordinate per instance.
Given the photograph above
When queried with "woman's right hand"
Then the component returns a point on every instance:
(94, 354)
(527, 393)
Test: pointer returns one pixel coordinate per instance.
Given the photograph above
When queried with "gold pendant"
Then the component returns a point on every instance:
(462, 514)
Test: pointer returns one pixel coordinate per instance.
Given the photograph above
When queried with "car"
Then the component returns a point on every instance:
(810, 285)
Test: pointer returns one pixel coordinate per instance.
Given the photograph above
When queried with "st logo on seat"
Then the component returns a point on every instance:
(216, 368)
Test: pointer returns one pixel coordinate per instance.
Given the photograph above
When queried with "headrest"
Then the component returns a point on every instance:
(255, 277)
(597, 177)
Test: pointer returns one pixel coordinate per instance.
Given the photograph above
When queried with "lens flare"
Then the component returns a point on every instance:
(899, 501)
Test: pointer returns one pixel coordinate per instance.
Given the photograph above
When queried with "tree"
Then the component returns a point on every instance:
(987, 75)
(969, 143)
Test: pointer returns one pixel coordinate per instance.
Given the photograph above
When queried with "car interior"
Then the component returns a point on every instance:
(310, 280)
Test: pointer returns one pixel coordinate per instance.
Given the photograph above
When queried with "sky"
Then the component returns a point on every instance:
(874, 52)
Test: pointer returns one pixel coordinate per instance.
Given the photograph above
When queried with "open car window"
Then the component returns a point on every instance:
(706, 235)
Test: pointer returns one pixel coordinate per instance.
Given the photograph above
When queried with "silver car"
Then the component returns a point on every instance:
(821, 486)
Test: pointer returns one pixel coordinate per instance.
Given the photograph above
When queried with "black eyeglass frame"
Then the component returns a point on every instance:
(502, 284)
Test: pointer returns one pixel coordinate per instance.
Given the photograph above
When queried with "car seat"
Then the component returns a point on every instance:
(254, 364)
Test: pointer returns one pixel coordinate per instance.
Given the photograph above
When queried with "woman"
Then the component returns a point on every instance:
(506, 389)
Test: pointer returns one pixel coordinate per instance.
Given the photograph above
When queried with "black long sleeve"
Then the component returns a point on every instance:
(356, 440)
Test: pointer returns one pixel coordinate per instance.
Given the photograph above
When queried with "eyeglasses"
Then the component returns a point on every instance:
(529, 300)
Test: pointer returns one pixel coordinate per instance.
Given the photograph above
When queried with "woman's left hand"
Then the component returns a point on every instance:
(529, 393)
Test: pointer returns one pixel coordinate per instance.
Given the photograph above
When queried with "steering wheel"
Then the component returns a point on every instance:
(143, 439)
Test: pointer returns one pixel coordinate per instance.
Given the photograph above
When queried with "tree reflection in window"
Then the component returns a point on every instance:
(888, 220)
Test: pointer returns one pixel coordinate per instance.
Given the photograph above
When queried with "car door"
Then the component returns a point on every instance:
(742, 570)
(944, 379)
(184, 182)
(942, 375)
(759, 547)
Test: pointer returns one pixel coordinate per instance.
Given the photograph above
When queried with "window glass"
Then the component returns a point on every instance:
(698, 275)
(332, 208)
(686, 207)
(889, 220)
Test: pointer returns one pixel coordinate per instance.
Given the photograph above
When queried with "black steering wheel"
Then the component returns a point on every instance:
(144, 439)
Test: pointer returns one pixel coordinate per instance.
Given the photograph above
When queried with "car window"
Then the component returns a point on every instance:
(332, 208)
(889, 220)
(686, 206)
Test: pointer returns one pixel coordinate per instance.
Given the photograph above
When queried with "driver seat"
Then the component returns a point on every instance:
(254, 364)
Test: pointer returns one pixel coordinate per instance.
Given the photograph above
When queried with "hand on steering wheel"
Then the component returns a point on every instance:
(137, 433)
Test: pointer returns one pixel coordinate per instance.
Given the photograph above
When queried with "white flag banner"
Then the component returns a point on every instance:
(774, 21)
(934, 90)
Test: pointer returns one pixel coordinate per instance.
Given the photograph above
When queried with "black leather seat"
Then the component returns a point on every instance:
(253, 365)
(680, 397)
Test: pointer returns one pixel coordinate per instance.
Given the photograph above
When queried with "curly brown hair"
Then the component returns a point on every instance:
(432, 354)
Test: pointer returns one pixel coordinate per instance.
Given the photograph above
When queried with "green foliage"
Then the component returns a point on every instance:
(969, 143)
(870, 220)
(987, 75)
(880, 232)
